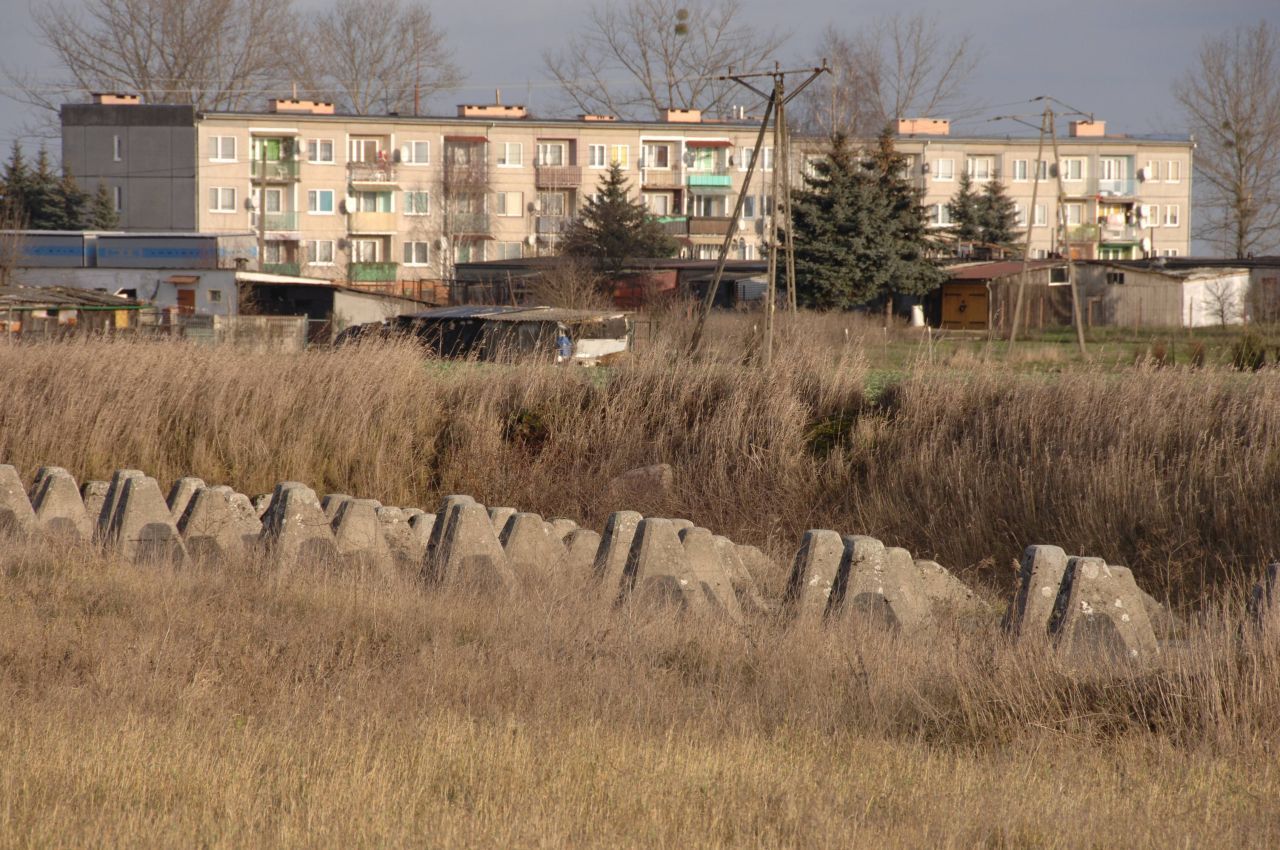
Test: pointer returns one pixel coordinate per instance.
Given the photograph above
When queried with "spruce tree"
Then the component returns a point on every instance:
(613, 229)
(16, 185)
(999, 216)
(72, 201)
(44, 212)
(913, 273)
(101, 212)
(966, 210)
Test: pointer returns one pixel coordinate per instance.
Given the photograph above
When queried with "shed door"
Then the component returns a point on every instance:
(964, 306)
(186, 300)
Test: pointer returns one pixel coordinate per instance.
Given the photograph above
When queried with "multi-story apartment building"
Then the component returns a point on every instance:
(398, 199)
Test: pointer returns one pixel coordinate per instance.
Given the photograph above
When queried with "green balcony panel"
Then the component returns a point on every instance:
(373, 272)
(282, 268)
(717, 180)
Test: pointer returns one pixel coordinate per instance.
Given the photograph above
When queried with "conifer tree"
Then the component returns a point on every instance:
(914, 273)
(966, 211)
(999, 216)
(72, 201)
(101, 212)
(15, 184)
(613, 229)
(44, 210)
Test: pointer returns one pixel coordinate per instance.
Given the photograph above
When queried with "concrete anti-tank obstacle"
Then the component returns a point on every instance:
(141, 529)
(813, 574)
(59, 509)
(294, 528)
(447, 513)
(946, 593)
(533, 552)
(707, 572)
(115, 489)
(611, 557)
(331, 503)
(1100, 611)
(422, 525)
(406, 545)
(562, 527)
(1039, 580)
(657, 569)
(743, 563)
(469, 552)
(357, 534)
(17, 518)
(94, 494)
(37, 483)
(180, 495)
(581, 546)
(499, 518)
(261, 504)
(218, 523)
(879, 584)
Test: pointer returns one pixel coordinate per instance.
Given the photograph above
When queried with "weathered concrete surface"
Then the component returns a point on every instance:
(470, 554)
(580, 546)
(37, 483)
(645, 484)
(1039, 580)
(657, 569)
(681, 524)
(94, 494)
(406, 544)
(142, 529)
(112, 500)
(879, 584)
(294, 528)
(261, 504)
(533, 552)
(1099, 613)
(615, 546)
(17, 519)
(444, 517)
(744, 563)
(1163, 622)
(947, 594)
(357, 534)
(59, 509)
(331, 503)
(562, 527)
(219, 523)
(707, 573)
(423, 524)
(813, 574)
(499, 517)
(180, 495)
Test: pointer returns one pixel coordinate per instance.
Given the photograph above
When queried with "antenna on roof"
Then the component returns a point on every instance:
(497, 97)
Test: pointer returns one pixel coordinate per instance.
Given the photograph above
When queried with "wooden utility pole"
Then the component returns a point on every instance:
(1066, 239)
(1030, 218)
(262, 205)
(775, 103)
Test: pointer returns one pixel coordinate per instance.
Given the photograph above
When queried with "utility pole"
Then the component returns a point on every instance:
(775, 102)
(262, 205)
(1066, 239)
(1030, 218)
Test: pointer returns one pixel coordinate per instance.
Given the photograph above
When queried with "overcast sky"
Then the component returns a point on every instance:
(1116, 58)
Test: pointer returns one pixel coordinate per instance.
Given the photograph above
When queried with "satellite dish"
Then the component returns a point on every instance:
(442, 243)
(531, 240)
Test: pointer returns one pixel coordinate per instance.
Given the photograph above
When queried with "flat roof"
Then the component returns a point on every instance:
(1001, 268)
(518, 314)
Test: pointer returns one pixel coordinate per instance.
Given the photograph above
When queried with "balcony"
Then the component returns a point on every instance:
(467, 224)
(552, 224)
(372, 272)
(685, 226)
(1127, 234)
(378, 173)
(278, 221)
(557, 176)
(661, 178)
(712, 178)
(1125, 188)
(372, 222)
(282, 268)
(274, 171)
(1082, 233)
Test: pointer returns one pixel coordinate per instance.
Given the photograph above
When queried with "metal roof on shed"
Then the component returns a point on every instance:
(517, 314)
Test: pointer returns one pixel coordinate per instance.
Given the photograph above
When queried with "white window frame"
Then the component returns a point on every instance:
(213, 296)
(1172, 215)
(1021, 172)
(411, 145)
(1153, 220)
(766, 159)
(313, 209)
(313, 146)
(217, 196)
(505, 159)
(947, 174)
(505, 248)
(357, 254)
(744, 157)
(1151, 171)
(988, 160)
(1074, 214)
(411, 205)
(117, 198)
(623, 162)
(650, 197)
(1019, 215)
(313, 250)
(509, 204)
(597, 162)
(940, 216)
(117, 149)
(1173, 171)
(545, 147)
(409, 253)
(219, 152)
(652, 148)
(1080, 171)
(1040, 216)
(363, 141)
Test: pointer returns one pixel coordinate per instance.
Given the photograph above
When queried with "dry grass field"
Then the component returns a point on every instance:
(234, 705)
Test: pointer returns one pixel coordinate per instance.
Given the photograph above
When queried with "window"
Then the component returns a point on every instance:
(596, 156)
(766, 159)
(117, 151)
(510, 204)
(214, 296)
(1075, 213)
(117, 198)
(981, 167)
(365, 250)
(657, 156)
(373, 202)
(272, 252)
(1151, 171)
(1019, 170)
(1040, 216)
(1172, 214)
(1153, 216)
(749, 206)
(222, 199)
(417, 253)
(708, 206)
(1169, 252)
(551, 153)
(1115, 278)
(271, 150)
(510, 154)
(620, 155)
(657, 203)
(417, 203)
(1173, 171)
(1073, 170)
(320, 201)
(1111, 168)
(1042, 170)
(508, 250)
(416, 153)
(467, 251)
(320, 150)
(364, 150)
(551, 203)
(1019, 215)
(221, 148)
(320, 252)
(940, 215)
(944, 169)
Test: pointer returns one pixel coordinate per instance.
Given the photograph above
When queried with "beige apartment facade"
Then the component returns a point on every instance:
(396, 201)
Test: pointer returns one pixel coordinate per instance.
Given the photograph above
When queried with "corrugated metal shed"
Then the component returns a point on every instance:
(23, 298)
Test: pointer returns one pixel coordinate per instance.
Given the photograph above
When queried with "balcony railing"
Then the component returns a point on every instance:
(274, 171)
(1125, 188)
(372, 222)
(710, 177)
(1082, 233)
(467, 223)
(282, 268)
(696, 225)
(661, 178)
(558, 176)
(372, 272)
(372, 172)
(548, 224)
(1120, 233)
(277, 221)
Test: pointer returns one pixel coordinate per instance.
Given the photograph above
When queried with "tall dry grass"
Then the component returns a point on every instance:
(232, 706)
(1174, 473)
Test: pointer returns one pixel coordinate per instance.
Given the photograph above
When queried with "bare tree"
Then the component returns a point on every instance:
(1222, 302)
(378, 55)
(572, 283)
(215, 54)
(640, 57)
(1232, 99)
(899, 66)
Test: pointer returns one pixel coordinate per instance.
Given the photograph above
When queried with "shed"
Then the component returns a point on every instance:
(983, 296)
(1152, 294)
(43, 311)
